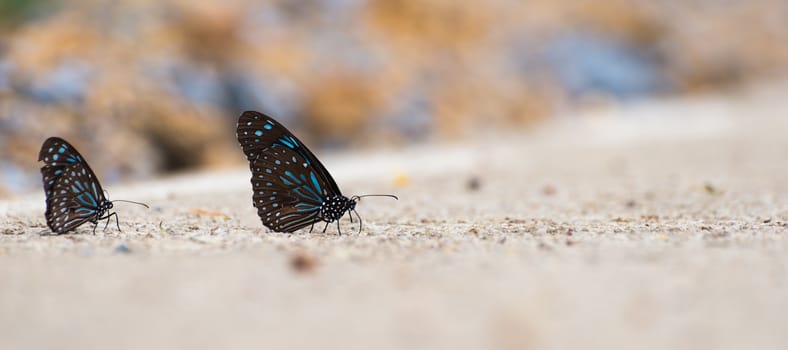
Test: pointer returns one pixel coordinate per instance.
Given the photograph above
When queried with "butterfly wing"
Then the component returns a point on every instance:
(289, 182)
(73, 193)
(258, 132)
(57, 155)
(286, 199)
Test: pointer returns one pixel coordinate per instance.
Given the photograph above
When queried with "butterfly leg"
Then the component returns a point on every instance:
(324, 228)
(107, 223)
(117, 222)
(360, 223)
(109, 218)
(312, 227)
(338, 228)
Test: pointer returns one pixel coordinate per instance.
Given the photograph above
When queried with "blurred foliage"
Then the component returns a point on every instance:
(145, 87)
(13, 12)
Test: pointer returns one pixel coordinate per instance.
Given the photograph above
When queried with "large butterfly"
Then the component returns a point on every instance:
(292, 189)
(73, 194)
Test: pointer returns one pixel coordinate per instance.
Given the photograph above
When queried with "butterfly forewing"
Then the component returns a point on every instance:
(57, 155)
(258, 132)
(290, 184)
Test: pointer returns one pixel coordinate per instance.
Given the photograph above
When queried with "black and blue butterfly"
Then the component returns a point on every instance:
(73, 193)
(292, 189)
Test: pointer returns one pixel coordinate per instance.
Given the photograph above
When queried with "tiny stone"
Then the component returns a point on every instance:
(549, 190)
(473, 184)
(303, 262)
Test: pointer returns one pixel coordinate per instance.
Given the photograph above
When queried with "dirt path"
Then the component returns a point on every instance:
(661, 226)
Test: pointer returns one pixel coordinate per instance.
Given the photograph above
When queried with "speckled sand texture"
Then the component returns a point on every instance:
(655, 227)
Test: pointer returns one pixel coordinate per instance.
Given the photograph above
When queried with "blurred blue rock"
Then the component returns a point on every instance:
(122, 249)
(588, 63)
(5, 72)
(413, 114)
(67, 83)
(272, 95)
(198, 83)
(14, 179)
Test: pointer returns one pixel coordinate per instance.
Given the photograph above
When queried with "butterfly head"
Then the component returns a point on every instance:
(105, 205)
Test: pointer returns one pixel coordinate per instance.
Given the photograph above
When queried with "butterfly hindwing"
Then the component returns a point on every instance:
(287, 195)
(74, 200)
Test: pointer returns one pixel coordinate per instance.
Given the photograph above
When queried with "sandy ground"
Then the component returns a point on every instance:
(651, 227)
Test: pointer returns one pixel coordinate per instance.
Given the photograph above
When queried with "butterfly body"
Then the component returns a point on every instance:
(73, 193)
(292, 189)
(335, 207)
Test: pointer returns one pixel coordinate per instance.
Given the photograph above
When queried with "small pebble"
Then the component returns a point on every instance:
(549, 190)
(473, 184)
(122, 249)
(710, 189)
(303, 262)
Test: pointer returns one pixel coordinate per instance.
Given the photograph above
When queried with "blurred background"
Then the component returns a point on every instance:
(150, 87)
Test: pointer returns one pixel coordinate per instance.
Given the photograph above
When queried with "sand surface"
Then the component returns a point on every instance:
(650, 227)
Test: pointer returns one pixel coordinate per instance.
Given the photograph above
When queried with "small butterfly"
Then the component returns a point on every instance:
(292, 189)
(73, 194)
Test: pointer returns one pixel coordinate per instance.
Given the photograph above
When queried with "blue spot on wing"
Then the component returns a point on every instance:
(317, 196)
(307, 196)
(314, 182)
(288, 173)
(90, 201)
(304, 207)
(86, 210)
(95, 191)
(286, 143)
(258, 133)
(267, 126)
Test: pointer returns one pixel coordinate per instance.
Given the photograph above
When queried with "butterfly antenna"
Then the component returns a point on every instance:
(132, 202)
(374, 195)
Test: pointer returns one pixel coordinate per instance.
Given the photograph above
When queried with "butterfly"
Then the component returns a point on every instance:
(73, 194)
(292, 189)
